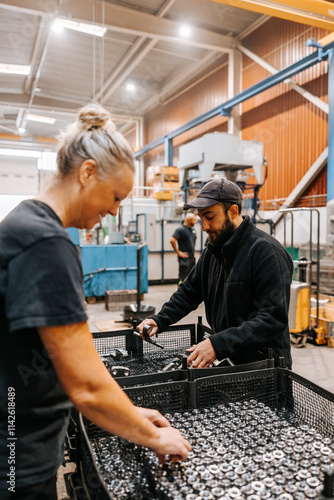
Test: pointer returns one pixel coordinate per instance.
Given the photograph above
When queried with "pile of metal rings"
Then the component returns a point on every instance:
(240, 451)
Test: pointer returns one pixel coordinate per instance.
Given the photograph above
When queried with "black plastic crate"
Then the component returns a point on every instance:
(287, 400)
(145, 361)
(123, 349)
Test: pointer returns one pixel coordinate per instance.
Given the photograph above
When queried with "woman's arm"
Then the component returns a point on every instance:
(97, 395)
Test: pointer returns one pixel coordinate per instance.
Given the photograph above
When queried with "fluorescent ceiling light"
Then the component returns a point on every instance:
(185, 31)
(14, 69)
(41, 119)
(90, 29)
(20, 152)
(57, 27)
(131, 87)
(21, 130)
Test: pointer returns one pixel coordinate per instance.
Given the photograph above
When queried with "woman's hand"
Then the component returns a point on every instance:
(170, 441)
(154, 416)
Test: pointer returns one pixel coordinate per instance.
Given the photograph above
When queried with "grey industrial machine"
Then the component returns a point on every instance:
(230, 155)
(219, 151)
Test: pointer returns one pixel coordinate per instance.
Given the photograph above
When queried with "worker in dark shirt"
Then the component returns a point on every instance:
(183, 243)
(243, 276)
(47, 358)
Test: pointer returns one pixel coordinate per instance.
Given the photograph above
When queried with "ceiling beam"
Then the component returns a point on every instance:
(317, 13)
(27, 142)
(177, 53)
(301, 90)
(125, 20)
(20, 101)
(174, 84)
(125, 67)
(253, 27)
(327, 39)
(42, 35)
(131, 60)
(311, 174)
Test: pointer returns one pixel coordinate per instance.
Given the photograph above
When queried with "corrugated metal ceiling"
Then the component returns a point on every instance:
(212, 16)
(149, 6)
(142, 45)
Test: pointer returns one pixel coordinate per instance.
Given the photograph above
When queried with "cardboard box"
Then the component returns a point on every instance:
(115, 300)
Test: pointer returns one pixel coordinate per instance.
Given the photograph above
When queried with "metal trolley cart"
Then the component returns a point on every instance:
(256, 434)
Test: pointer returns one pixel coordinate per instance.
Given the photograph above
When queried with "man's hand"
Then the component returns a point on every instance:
(182, 255)
(151, 323)
(202, 355)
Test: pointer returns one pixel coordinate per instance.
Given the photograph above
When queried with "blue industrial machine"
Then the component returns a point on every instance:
(113, 267)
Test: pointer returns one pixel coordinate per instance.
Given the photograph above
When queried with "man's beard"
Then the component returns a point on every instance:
(220, 237)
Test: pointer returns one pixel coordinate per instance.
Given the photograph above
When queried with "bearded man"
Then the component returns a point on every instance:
(244, 278)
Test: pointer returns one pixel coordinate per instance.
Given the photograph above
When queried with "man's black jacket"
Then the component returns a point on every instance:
(245, 285)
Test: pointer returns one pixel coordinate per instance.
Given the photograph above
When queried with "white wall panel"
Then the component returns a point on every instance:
(18, 176)
(8, 203)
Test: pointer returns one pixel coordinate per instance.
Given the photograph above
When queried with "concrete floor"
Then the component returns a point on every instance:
(315, 363)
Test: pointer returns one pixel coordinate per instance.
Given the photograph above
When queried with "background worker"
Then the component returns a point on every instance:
(243, 276)
(47, 357)
(183, 243)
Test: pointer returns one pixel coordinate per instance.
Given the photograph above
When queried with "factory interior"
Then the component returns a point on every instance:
(235, 91)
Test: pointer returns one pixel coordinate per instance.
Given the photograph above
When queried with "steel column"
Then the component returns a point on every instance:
(169, 152)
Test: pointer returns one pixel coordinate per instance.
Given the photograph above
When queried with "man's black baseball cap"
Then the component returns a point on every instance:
(218, 190)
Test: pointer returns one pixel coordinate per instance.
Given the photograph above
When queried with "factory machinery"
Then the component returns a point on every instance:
(258, 431)
(310, 313)
(112, 267)
(109, 251)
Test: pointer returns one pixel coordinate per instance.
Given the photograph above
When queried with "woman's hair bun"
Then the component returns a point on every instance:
(93, 117)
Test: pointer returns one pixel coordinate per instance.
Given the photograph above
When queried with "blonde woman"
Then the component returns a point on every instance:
(47, 358)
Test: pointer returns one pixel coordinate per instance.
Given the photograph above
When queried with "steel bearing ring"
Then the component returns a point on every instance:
(303, 474)
(278, 454)
(217, 492)
(240, 470)
(268, 457)
(301, 485)
(325, 450)
(312, 482)
(260, 474)
(257, 485)
(213, 483)
(192, 479)
(264, 495)
(234, 493)
(206, 476)
(206, 494)
(198, 486)
(310, 493)
(214, 469)
(269, 482)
